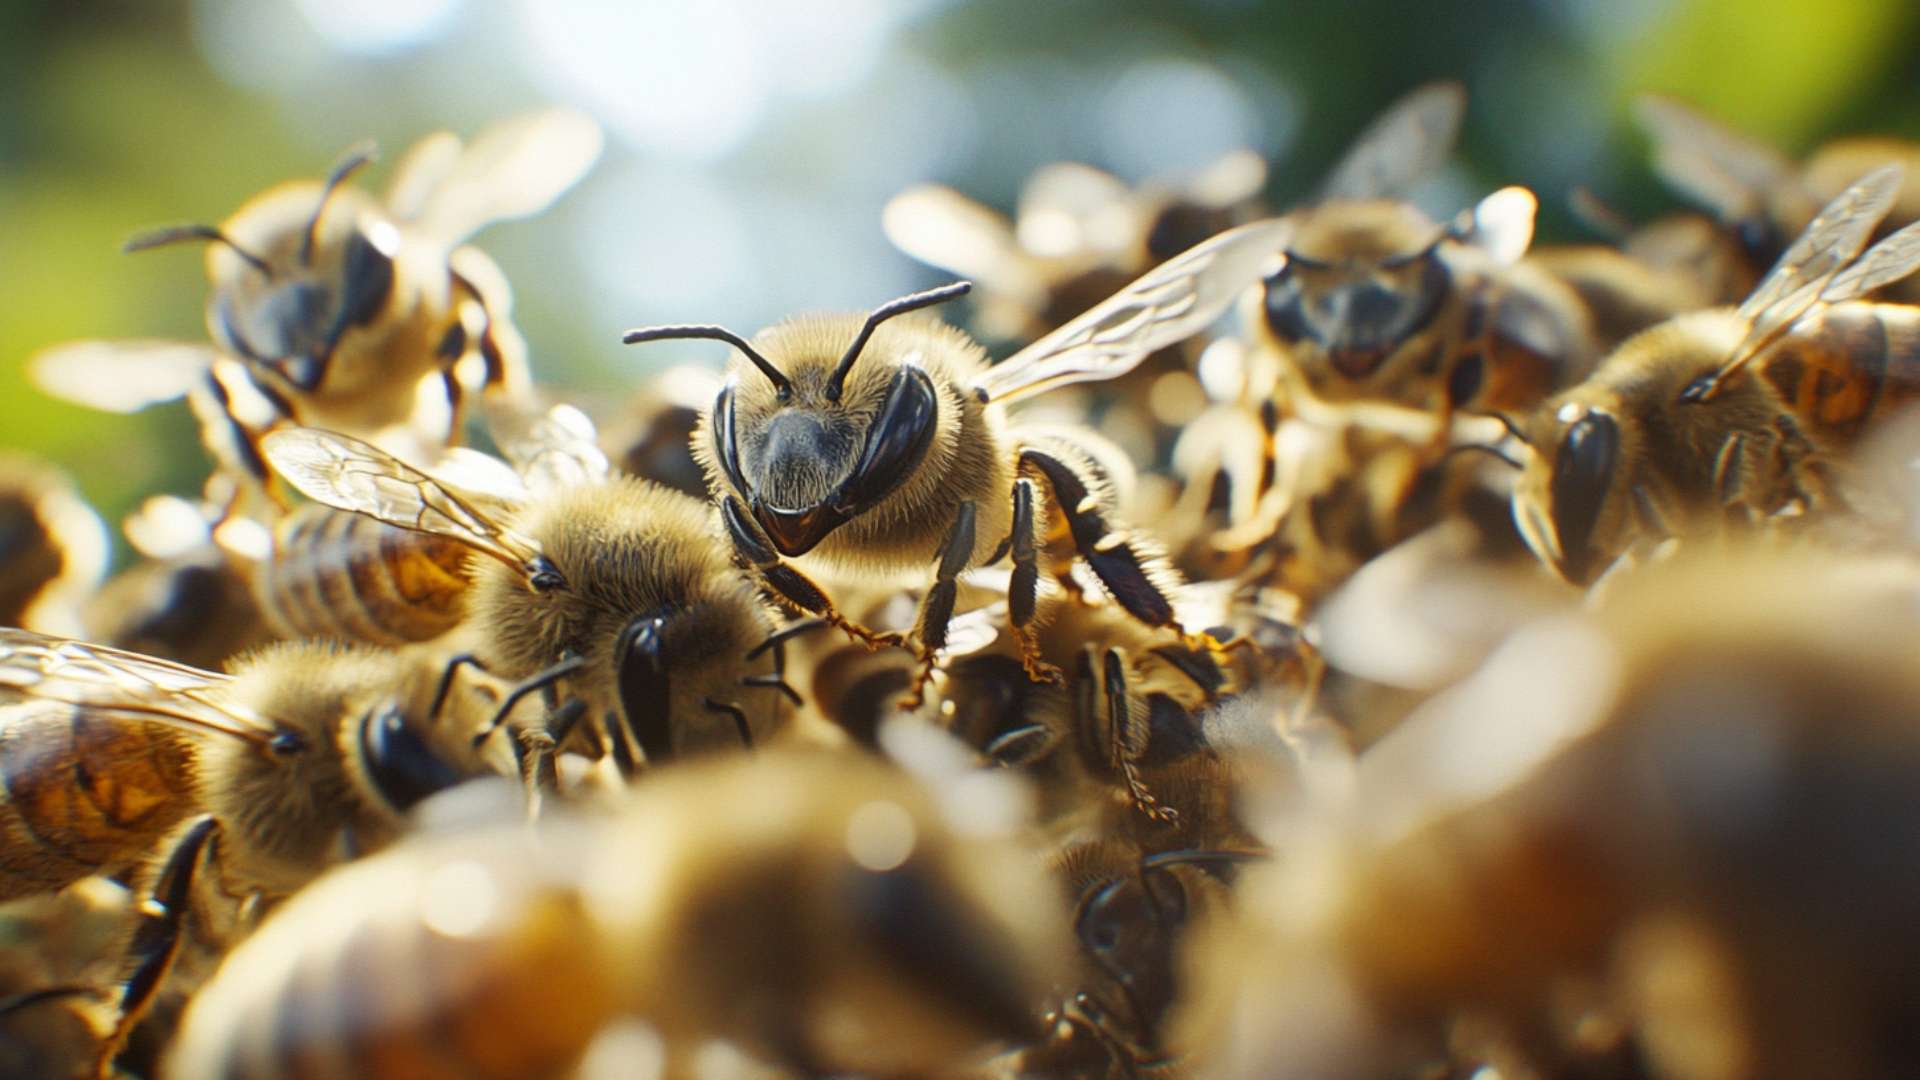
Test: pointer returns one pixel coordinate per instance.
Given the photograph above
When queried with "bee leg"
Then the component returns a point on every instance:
(936, 607)
(157, 943)
(1114, 557)
(1023, 592)
(1127, 739)
(788, 585)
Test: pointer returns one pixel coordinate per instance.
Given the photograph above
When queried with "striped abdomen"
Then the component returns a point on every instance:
(1849, 367)
(339, 574)
(84, 793)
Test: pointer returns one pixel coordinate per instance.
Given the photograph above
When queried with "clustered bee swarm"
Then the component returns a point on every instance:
(1331, 643)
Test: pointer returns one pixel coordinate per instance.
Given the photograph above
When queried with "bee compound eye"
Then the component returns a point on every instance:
(400, 764)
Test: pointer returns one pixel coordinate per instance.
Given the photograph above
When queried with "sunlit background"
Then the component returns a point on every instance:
(752, 144)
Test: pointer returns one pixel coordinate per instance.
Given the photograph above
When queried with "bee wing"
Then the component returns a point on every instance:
(1174, 300)
(515, 168)
(348, 474)
(129, 683)
(1884, 263)
(553, 450)
(425, 167)
(1725, 171)
(120, 376)
(1408, 141)
(943, 228)
(1803, 275)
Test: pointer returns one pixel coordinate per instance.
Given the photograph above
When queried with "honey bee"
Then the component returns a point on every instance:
(1722, 415)
(812, 911)
(335, 307)
(1079, 235)
(875, 469)
(53, 549)
(1370, 301)
(1669, 830)
(619, 579)
(109, 750)
(1757, 197)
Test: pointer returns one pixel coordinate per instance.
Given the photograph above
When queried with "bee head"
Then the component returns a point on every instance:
(1356, 284)
(829, 442)
(303, 272)
(1570, 501)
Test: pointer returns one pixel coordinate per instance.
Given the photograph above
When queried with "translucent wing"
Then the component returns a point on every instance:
(1408, 141)
(515, 168)
(1174, 300)
(1727, 172)
(348, 474)
(1830, 240)
(552, 450)
(1884, 263)
(425, 167)
(108, 679)
(120, 376)
(1802, 276)
(943, 228)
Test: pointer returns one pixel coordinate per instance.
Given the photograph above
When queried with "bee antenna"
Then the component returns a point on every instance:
(357, 157)
(1198, 855)
(716, 333)
(913, 302)
(174, 234)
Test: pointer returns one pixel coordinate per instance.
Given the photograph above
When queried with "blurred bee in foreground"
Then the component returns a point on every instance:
(1370, 301)
(53, 549)
(1674, 836)
(617, 580)
(334, 307)
(876, 468)
(1725, 415)
(813, 911)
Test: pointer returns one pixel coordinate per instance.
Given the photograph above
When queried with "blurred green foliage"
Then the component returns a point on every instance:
(112, 118)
